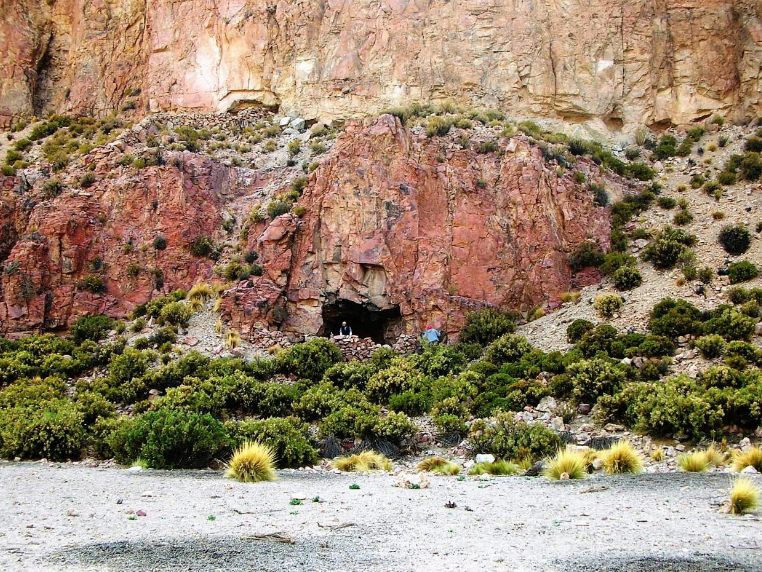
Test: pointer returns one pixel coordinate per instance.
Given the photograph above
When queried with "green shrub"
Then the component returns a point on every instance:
(485, 326)
(674, 318)
(277, 208)
(735, 239)
(722, 376)
(288, 437)
(92, 283)
(395, 427)
(682, 218)
(577, 329)
(202, 246)
(347, 375)
(309, 360)
(51, 428)
(730, 324)
(627, 278)
(666, 203)
(640, 171)
(711, 346)
(507, 348)
(593, 378)
(753, 144)
(705, 275)
(91, 327)
(726, 178)
(508, 439)
(393, 380)
(742, 271)
(171, 439)
(613, 261)
(669, 247)
(175, 314)
(160, 243)
(87, 180)
(608, 304)
(587, 254)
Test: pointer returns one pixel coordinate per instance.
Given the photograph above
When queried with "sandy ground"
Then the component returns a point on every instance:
(63, 517)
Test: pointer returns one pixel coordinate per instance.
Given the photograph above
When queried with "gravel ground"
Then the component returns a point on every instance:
(64, 517)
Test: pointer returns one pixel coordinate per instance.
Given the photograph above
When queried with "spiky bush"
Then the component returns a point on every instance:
(593, 378)
(252, 462)
(695, 462)
(750, 458)
(498, 469)
(622, 458)
(363, 462)
(744, 496)
(567, 464)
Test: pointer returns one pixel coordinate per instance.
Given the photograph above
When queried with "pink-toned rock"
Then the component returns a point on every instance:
(617, 65)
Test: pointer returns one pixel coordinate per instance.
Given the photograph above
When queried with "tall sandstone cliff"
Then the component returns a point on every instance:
(614, 63)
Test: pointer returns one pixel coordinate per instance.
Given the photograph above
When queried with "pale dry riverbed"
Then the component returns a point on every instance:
(74, 518)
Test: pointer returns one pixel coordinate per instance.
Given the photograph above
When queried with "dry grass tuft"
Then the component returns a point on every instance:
(252, 462)
(715, 456)
(749, 458)
(195, 305)
(232, 339)
(620, 458)
(363, 463)
(201, 292)
(744, 496)
(567, 464)
(696, 462)
(657, 455)
(438, 465)
(498, 469)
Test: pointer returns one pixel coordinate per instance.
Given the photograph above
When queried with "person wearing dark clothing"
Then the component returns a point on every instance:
(345, 330)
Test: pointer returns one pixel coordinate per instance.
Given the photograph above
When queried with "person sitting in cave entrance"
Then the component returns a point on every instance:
(345, 330)
(431, 335)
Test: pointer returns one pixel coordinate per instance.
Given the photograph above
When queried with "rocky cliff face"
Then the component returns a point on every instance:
(616, 64)
(401, 226)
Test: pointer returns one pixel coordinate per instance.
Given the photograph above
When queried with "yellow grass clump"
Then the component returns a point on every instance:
(621, 457)
(715, 456)
(744, 496)
(195, 305)
(750, 458)
(201, 292)
(657, 455)
(438, 465)
(252, 462)
(363, 462)
(497, 469)
(232, 339)
(567, 464)
(696, 462)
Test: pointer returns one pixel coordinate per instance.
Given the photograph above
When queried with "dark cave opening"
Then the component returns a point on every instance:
(365, 321)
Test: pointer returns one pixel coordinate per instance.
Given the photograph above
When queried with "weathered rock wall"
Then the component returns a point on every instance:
(402, 220)
(615, 63)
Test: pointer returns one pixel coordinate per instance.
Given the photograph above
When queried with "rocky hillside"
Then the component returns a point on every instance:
(394, 221)
(611, 64)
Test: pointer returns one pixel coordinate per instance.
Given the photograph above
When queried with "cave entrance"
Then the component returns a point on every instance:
(365, 321)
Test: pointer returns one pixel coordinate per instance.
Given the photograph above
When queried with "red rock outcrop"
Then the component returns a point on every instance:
(109, 230)
(401, 220)
(615, 63)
